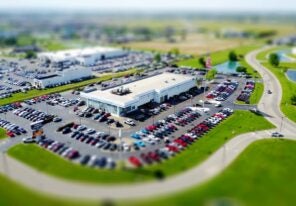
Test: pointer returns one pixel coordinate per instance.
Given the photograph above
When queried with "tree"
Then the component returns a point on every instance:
(30, 55)
(157, 57)
(211, 74)
(232, 56)
(293, 99)
(274, 59)
(202, 61)
(241, 69)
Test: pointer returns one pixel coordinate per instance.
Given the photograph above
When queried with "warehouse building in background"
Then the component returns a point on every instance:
(124, 99)
(85, 57)
(65, 76)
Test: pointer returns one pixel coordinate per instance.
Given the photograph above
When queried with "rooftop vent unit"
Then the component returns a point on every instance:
(121, 91)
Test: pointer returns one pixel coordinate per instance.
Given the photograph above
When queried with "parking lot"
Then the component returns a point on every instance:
(162, 126)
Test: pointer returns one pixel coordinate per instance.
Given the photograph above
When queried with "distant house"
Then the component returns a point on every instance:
(286, 40)
(23, 49)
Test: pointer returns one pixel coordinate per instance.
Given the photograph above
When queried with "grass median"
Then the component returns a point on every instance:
(288, 88)
(261, 175)
(33, 93)
(47, 162)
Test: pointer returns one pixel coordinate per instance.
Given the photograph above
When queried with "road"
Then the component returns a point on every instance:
(269, 105)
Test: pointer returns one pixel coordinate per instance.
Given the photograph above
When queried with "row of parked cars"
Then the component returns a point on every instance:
(161, 130)
(33, 115)
(59, 148)
(11, 129)
(10, 107)
(73, 154)
(62, 101)
(182, 142)
(91, 137)
(42, 98)
(16, 82)
(223, 90)
(98, 115)
(247, 92)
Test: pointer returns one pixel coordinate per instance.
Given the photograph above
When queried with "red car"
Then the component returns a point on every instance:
(135, 161)
(10, 134)
(153, 156)
(172, 148)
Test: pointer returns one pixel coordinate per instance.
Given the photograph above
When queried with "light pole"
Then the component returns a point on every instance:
(281, 125)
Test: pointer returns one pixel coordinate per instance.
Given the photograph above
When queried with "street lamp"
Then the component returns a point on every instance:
(281, 125)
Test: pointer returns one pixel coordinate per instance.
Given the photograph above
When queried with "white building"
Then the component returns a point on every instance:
(294, 50)
(86, 57)
(157, 88)
(62, 77)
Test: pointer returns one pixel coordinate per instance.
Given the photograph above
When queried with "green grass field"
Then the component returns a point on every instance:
(261, 175)
(288, 87)
(218, 57)
(33, 93)
(12, 193)
(2, 133)
(262, 56)
(240, 122)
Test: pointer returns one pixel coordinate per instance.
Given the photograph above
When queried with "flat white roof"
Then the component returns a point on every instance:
(155, 83)
(73, 53)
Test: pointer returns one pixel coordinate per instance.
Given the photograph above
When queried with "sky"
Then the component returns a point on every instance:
(148, 5)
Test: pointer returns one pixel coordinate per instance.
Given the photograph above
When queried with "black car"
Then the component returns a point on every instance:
(85, 160)
(110, 121)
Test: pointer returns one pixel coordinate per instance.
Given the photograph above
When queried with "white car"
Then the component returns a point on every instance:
(28, 140)
(130, 122)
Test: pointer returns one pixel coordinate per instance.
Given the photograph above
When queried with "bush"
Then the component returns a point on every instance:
(293, 99)
(241, 69)
(159, 174)
(30, 55)
(157, 57)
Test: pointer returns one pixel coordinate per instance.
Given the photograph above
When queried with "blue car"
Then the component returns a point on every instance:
(144, 131)
(136, 136)
(140, 144)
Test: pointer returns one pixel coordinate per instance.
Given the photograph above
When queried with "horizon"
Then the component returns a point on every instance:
(151, 6)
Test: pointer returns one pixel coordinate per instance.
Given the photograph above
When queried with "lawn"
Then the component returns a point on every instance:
(33, 93)
(2, 133)
(288, 88)
(266, 181)
(240, 122)
(12, 193)
(218, 57)
(261, 175)
(263, 55)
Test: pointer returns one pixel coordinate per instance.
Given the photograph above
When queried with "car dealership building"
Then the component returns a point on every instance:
(127, 98)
